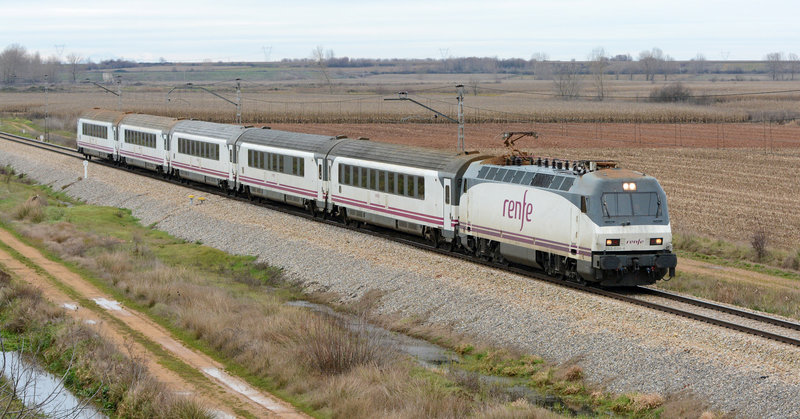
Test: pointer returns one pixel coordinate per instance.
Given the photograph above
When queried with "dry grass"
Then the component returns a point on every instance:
(339, 369)
(362, 101)
(118, 382)
(31, 210)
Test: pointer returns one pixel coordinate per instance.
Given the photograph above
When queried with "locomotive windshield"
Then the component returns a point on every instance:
(627, 204)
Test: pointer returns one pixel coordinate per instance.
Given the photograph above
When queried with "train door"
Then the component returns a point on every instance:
(115, 143)
(447, 214)
(574, 229)
(233, 166)
(322, 180)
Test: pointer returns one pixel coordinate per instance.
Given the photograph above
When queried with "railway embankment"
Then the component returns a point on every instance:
(626, 348)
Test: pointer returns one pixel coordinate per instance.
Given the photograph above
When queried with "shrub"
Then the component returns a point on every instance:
(31, 209)
(759, 243)
(331, 348)
(674, 92)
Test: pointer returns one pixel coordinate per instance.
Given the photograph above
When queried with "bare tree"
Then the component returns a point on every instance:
(598, 63)
(73, 59)
(698, 64)
(12, 62)
(650, 62)
(320, 58)
(474, 83)
(541, 67)
(566, 78)
(775, 65)
(794, 64)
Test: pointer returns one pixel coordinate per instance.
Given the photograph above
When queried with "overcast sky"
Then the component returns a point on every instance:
(249, 30)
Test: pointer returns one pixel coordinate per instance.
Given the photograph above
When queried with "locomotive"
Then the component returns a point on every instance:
(583, 221)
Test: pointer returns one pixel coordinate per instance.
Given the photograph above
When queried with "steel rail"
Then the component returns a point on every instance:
(426, 245)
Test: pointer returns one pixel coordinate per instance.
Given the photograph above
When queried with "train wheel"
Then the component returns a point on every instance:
(433, 235)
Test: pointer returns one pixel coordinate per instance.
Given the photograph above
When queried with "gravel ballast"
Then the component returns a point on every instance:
(624, 347)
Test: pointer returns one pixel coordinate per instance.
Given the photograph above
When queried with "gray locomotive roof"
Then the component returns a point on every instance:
(225, 132)
(423, 158)
(162, 123)
(102, 115)
(288, 140)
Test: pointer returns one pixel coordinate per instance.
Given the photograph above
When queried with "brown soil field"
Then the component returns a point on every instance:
(722, 189)
(573, 135)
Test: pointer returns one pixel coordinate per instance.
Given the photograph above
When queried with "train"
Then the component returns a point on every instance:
(585, 221)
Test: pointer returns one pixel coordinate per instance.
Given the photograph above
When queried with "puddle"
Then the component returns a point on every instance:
(430, 355)
(426, 353)
(108, 304)
(244, 389)
(38, 388)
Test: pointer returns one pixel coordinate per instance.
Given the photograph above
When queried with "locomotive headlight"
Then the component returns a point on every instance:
(629, 186)
(612, 242)
(656, 241)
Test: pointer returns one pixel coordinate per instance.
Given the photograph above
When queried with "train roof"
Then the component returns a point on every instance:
(288, 140)
(226, 132)
(102, 115)
(162, 123)
(401, 155)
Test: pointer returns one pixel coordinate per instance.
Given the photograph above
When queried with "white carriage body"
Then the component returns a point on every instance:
(278, 173)
(369, 194)
(144, 141)
(97, 133)
(203, 151)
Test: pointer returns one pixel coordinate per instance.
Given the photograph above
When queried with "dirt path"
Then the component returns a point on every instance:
(221, 391)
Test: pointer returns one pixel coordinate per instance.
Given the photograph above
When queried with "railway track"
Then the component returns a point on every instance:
(695, 309)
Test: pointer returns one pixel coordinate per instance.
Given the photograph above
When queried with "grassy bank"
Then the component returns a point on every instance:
(774, 287)
(91, 366)
(234, 309)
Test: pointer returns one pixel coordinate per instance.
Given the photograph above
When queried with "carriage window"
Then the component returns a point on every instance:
(364, 177)
(401, 185)
(392, 182)
(346, 175)
(584, 204)
(381, 180)
(373, 179)
(447, 194)
(420, 187)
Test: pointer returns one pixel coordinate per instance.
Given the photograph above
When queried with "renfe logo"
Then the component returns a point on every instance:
(517, 210)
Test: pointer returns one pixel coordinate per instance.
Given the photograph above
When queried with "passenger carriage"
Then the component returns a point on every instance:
(144, 141)
(97, 133)
(285, 166)
(203, 152)
(405, 188)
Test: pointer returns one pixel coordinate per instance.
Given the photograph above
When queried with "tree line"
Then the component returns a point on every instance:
(20, 66)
